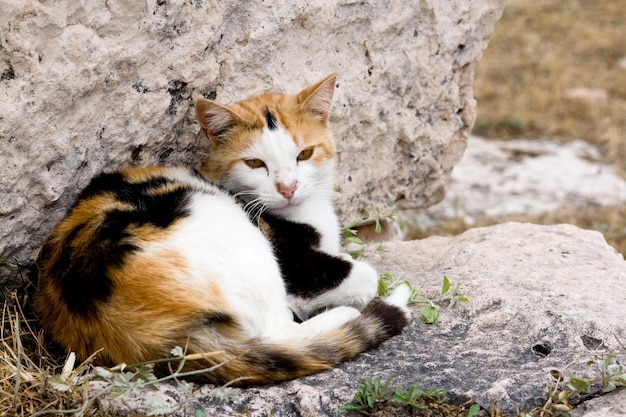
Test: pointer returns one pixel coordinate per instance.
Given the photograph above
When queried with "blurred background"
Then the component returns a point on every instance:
(555, 70)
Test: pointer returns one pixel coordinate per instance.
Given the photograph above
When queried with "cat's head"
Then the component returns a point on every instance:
(273, 150)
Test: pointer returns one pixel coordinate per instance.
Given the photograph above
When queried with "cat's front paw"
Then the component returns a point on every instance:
(345, 257)
(399, 297)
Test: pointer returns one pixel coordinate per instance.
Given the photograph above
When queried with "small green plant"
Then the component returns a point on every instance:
(429, 313)
(387, 282)
(564, 393)
(350, 232)
(559, 396)
(612, 373)
(473, 411)
(370, 218)
(370, 396)
(415, 397)
(373, 396)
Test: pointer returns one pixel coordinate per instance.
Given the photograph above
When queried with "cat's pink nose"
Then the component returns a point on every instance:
(287, 190)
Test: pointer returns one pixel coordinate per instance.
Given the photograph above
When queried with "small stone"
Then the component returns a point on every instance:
(588, 95)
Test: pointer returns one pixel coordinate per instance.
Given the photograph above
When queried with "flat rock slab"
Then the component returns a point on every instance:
(540, 298)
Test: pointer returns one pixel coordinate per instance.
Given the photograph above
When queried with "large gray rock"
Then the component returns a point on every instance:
(86, 86)
(540, 298)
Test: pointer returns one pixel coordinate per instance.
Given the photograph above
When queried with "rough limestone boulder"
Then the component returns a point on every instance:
(86, 86)
(541, 298)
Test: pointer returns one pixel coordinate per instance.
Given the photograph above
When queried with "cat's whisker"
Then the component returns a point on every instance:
(260, 210)
(254, 208)
(244, 192)
(324, 188)
(250, 205)
(324, 184)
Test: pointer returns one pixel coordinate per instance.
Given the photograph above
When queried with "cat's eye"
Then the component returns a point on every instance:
(254, 163)
(305, 154)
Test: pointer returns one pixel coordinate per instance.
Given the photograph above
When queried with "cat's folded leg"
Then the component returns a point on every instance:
(360, 287)
(336, 317)
(356, 291)
(328, 320)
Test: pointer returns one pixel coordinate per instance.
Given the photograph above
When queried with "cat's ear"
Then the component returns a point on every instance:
(216, 120)
(316, 99)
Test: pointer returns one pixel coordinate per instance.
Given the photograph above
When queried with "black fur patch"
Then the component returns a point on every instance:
(270, 120)
(85, 283)
(84, 269)
(392, 317)
(306, 271)
(280, 361)
(100, 184)
(158, 210)
(217, 318)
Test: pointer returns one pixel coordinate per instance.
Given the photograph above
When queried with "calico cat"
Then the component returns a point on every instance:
(220, 260)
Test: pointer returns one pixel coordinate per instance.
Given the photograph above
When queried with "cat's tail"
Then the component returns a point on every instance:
(258, 362)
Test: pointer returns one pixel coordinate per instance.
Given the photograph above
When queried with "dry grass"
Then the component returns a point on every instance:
(28, 369)
(37, 379)
(23, 363)
(32, 378)
(540, 51)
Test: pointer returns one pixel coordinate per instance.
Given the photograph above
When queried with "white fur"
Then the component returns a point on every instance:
(279, 153)
(312, 204)
(399, 297)
(331, 319)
